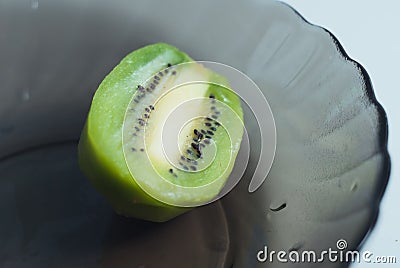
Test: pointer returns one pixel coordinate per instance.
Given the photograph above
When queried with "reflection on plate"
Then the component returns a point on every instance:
(331, 164)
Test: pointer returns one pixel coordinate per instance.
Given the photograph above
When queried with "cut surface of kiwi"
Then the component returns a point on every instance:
(162, 134)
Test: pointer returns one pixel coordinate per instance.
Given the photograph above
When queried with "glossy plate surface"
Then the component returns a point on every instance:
(331, 164)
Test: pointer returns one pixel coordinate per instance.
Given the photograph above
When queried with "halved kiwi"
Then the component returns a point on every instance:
(162, 134)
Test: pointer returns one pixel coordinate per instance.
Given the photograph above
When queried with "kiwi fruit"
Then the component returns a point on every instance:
(162, 134)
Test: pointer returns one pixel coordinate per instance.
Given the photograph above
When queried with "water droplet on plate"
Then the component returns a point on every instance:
(296, 246)
(277, 206)
(354, 187)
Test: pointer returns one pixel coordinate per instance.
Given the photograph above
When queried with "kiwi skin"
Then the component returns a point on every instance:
(100, 150)
(118, 187)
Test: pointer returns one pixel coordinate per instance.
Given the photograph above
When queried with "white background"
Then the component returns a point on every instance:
(370, 33)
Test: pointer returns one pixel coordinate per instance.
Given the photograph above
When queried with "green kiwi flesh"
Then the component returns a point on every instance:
(121, 151)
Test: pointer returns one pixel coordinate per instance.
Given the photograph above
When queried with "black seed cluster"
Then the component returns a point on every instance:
(214, 116)
(188, 163)
(142, 121)
(153, 84)
(201, 137)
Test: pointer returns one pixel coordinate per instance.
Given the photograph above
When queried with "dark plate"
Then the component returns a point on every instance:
(331, 165)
